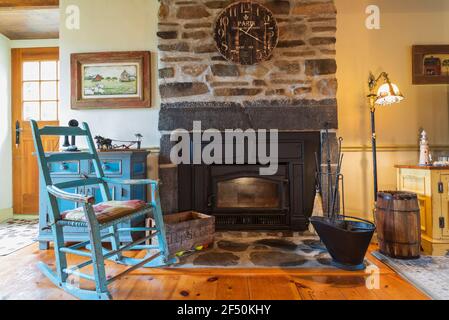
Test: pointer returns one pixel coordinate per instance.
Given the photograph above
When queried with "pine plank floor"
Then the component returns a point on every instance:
(20, 279)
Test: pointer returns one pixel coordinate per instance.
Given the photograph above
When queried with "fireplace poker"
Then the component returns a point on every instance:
(337, 177)
(318, 172)
(329, 172)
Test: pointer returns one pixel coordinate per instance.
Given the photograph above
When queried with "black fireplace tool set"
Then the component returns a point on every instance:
(346, 238)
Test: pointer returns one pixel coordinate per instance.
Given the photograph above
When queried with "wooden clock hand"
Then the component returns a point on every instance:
(250, 35)
(249, 29)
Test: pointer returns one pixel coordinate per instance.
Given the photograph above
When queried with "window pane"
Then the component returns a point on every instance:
(31, 91)
(30, 71)
(48, 70)
(49, 111)
(48, 91)
(59, 70)
(30, 111)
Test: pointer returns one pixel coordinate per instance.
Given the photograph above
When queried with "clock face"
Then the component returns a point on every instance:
(246, 33)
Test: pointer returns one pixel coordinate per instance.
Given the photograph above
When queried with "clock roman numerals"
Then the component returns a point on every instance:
(246, 33)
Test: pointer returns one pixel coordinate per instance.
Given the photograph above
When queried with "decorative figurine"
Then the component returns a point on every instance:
(424, 157)
(105, 144)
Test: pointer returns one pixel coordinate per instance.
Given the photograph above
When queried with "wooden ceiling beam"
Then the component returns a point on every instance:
(29, 3)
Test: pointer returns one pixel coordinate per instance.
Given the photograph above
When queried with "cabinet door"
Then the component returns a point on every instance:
(444, 212)
(419, 182)
(425, 207)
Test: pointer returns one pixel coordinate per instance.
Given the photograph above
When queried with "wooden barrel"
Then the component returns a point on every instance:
(398, 224)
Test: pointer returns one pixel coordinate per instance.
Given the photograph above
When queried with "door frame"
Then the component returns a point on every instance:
(18, 56)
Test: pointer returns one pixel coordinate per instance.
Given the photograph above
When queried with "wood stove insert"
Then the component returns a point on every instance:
(241, 199)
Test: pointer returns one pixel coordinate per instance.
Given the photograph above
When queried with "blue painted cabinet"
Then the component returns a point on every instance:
(116, 164)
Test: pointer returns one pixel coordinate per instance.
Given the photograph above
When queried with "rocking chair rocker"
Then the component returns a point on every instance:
(101, 220)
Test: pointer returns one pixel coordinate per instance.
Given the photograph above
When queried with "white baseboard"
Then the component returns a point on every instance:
(6, 214)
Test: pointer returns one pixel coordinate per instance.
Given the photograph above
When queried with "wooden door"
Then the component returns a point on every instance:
(35, 95)
(444, 212)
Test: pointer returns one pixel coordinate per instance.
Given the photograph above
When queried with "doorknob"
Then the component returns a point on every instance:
(18, 131)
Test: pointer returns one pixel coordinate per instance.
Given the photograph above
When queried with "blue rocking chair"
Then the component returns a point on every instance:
(101, 220)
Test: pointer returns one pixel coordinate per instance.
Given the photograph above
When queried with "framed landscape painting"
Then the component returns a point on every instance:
(109, 80)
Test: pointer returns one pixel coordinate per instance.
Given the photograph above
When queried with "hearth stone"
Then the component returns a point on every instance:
(232, 246)
(278, 243)
(211, 259)
(324, 259)
(276, 258)
(315, 244)
(305, 249)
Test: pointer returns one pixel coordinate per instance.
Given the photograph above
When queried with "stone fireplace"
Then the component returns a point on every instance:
(294, 92)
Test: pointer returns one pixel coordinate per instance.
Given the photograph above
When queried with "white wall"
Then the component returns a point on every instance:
(112, 25)
(5, 126)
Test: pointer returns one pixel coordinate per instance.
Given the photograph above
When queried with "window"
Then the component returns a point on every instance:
(40, 90)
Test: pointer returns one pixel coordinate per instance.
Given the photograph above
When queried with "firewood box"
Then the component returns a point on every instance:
(187, 230)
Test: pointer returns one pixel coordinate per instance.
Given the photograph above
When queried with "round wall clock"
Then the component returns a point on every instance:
(246, 33)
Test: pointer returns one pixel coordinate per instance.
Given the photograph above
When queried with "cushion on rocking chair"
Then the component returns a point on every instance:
(107, 211)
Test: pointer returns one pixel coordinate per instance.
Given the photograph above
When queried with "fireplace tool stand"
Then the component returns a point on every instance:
(346, 238)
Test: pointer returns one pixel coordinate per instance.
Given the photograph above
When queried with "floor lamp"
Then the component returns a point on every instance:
(387, 94)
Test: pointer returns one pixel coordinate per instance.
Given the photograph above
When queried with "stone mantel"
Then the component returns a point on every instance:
(298, 115)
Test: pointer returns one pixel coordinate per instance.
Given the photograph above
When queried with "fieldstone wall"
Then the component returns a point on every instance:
(294, 91)
(303, 65)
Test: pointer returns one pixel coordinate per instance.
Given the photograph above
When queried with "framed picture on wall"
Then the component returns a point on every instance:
(431, 64)
(111, 80)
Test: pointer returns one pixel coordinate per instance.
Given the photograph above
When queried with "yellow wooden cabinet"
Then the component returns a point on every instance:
(432, 186)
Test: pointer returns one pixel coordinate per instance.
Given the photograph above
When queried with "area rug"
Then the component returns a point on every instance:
(261, 250)
(16, 234)
(429, 274)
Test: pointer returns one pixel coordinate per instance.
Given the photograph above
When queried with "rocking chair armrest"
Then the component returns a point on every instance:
(61, 194)
(131, 182)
